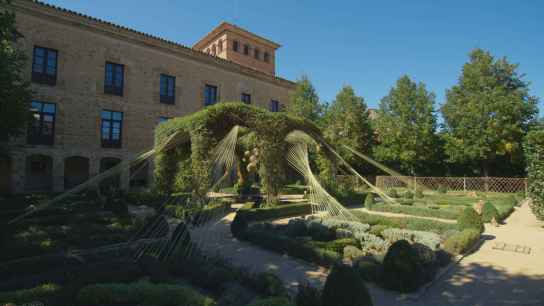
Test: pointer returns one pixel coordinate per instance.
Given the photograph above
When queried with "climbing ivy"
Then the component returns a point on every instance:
(534, 153)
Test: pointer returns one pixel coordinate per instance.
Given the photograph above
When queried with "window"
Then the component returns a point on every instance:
(266, 57)
(168, 89)
(210, 95)
(257, 53)
(163, 119)
(214, 50)
(111, 129)
(275, 106)
(246, 49)
(220, 46)
(44, 66)
(235, 46)
(42, 125)
(246, 98)
(113, 83)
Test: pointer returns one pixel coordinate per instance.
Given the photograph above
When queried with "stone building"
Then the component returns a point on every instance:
(100, 90)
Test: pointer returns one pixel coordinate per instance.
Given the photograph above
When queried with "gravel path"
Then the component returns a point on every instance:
(488, 277)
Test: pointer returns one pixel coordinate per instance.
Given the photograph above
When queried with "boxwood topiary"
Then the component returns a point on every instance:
(345, 287)
(308, 295)
(489, 211)
(402, 268)
(469, 219)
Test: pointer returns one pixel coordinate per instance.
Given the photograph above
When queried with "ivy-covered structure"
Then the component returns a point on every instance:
(534, 154)
(185, 145)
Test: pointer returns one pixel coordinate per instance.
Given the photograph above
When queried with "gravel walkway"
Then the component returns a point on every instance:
(488, 277)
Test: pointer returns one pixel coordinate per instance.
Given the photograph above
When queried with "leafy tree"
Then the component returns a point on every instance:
(406, 127)
(304, 102)
(487, 114)
(14, 89)
(346, 123)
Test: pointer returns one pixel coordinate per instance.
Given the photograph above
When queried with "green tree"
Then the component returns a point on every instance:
(488, 112)
(14, 89)
(346, 123)
(304, 102)
(406, 128)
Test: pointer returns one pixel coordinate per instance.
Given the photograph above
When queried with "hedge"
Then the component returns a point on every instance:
(141, 293)
(39, 293)
(417, 211)
(534, 155)
(276, 212)
(311, 251)
(416, 224)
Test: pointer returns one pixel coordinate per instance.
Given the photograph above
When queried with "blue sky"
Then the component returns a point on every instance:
(367, 44)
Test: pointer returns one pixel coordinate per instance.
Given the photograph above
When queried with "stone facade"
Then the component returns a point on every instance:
(84, 45)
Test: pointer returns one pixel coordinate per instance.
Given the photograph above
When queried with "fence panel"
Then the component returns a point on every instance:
(493, 184)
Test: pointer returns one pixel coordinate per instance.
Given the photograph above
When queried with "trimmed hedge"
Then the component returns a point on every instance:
(534, 154)
(369, 201)
(489, 212)
(141, 293)
(416, 224)
(417, 211)
(39, 293)
(344, 287)
(461, 242)
(312, 251)
(276, 212)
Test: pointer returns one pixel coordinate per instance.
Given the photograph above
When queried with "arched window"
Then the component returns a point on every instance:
(257, 54)
(266, 57)
(220, 46)
(214, 51)
(246, 49)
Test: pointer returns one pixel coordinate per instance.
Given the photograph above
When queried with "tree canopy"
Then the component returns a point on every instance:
(346, 122)
(488, 112)
(406, 126)
(14, 89)
(304, 102)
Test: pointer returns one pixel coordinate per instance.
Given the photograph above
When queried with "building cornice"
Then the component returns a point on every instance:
(228, 27)
(58, 14)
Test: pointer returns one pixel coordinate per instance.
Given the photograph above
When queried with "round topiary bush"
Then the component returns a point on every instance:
(345, 287)
(489, 211)
(297, 227)
(369, 201)
(469, 219)
(402, 268)
(238, 225)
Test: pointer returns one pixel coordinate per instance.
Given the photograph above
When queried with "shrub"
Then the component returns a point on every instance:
(307, 295)
(344, 287)
(407, 202)
(427, 259)
(369, 201)
(336, 245)
(419, 194)
(238, 225)
(462, 241)
(431, 240)
(141, 293)
(408, 194)
(342, 233)
(372, 244)
(352, 252)
(489, 212)
(416, 224)
(235, 295)
(392, 193)
(270, 285)
(402, 268)
(297, 227)
(369, 269)
(320, 232)
(469, 219)
(274, 301)
(442, 189)
(23, 296)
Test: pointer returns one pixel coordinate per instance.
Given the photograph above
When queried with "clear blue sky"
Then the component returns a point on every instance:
(367, 44)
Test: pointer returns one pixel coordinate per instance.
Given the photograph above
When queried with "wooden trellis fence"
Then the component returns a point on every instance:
(493, 184)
